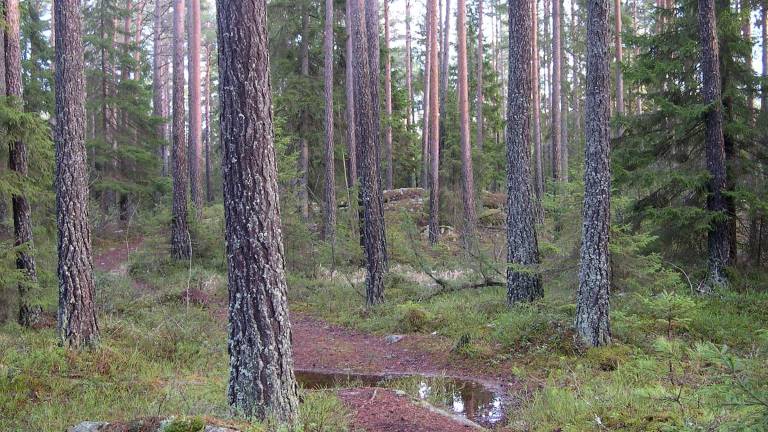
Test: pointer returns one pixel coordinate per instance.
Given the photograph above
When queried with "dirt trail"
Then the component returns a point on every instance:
(320, 346)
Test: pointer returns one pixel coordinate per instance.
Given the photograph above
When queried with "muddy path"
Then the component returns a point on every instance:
(323, 348)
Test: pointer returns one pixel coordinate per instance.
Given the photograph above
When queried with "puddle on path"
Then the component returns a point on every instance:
(465, 398)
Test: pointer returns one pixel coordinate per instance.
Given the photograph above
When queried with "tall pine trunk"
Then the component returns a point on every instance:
(718, 241)
(388, 100)
(350, 111)
(159, 72)
(409, 117)
(467, 175)
(592, 300)
(195, 116)
(479, 97)
(329, 219)
(523, 283)
(77, 324)
(536, 90)
(425, 165)
(555, 97)
(3, 197)
(261, 378)
(563, 100)
(180, 240)
(364, 20)
(433, 125)
(207, 133)
(18, 162)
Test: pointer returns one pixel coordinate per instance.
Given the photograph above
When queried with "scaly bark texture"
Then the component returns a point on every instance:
(592, 300)
(180, 241)
(77, 324)
(555, 97)
(350, 112)
(261, 378)
(445, 56)
(536, 90)
(18, 163)
(479, 97)
(388, 100)
(433, 125)
(523, 283)
(159, 76)
(718, 244)
(329, 219)
(467, 175)
(364, 20)
(207, 133)
(195, 116)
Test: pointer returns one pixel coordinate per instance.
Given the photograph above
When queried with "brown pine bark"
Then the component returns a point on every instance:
(180, 240)
(388, 183)
(160, 71)
(207, 133)
(718, 240)
(77, 325)
(536, 90)
(592, 299)
(479, 97)
(3, 197)
(523, 283)
(18, 162)
(434, 126)
(555, 97)
(367, 134)
(303, 159)
(261, 378)
(329, 219)
(467, 175)
(445, 56)
(350, 112)
(408, 65)
(194, 100)
(563, 102)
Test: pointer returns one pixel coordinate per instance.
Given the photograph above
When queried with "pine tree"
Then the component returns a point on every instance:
(592, 300)
(160, 70)
(180, 238)
(433, 126)
(329, 221)
(195, 116)
(467, 174)
(350, 109)
(479, 63)
(76, 315)
(536, 89)
(555, 96)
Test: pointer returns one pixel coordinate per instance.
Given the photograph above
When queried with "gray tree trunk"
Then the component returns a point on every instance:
(77, 324)
(592, 300)
(261, 378)
(194, 100)
(523, 283)
(18, 162)
(329, 220)
(364, 20)
(718, 241)
(180, 240)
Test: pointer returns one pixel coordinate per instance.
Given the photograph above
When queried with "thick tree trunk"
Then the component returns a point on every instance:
(303, 159)
(261, 378)
(388, 100)
(410, 119)
(479, 97)
(195, 116)
(329, 220)
(434, 126)
(618, 49)
(180, 239)
(718, 242)
(364, 20)
(536, 89)
(18, 163)
(208, 133)
(3, 197)
(350, 112)
(592, 300)
(555, 97)
(523, 283)
(77, 324)
(467, 175)
(159, 72)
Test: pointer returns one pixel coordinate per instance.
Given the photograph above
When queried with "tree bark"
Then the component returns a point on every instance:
(261, 378)
(180, 239)
(329, 221)
(350, 91)
(555, 97)
(536, 90)
(434, 126)
(409, 65)
(208, 133)
(479, 97)
(3, 197)
(618, 49)
(77, 325)
(443, 74)
(467, 175)
(718, 241)
(592, 301)
(523, 283)
(388, 100)
(159, 72)
(425, 165)
(195, 116)
(563, 102)
(18, 156)
(364, 20)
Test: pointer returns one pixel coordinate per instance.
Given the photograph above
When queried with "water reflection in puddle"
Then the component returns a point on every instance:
(468, 399)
